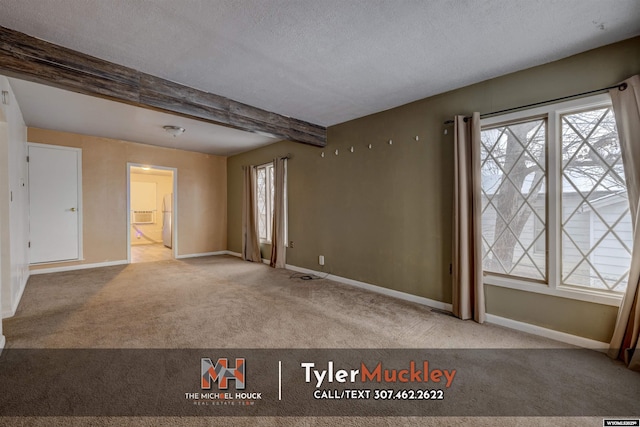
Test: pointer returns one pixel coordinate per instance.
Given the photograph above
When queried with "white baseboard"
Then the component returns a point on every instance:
(3, 341)
(378, 289)
(77, 267)
(548, 333)
(202, 254)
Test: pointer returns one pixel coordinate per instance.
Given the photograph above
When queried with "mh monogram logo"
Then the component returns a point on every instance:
(221, 373)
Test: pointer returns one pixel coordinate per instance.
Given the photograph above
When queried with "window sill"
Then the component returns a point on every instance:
(268, 242)
(580, 295)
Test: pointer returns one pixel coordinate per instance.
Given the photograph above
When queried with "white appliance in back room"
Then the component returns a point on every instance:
(167, 236)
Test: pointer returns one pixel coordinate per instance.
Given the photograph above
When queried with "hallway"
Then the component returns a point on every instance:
(149, 253)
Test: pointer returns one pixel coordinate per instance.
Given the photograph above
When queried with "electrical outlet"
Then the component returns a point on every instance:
(321, 260)
(291, 244)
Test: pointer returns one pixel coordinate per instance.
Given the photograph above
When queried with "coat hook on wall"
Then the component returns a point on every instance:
(446, 131)
(336, 151)
(417, 138)
(322, 154)
(391, 142)
(351, 149)
(370, 146)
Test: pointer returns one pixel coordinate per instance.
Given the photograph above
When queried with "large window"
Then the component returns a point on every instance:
(514, 199)
(596, 222)
(554, 201)
(264, 193)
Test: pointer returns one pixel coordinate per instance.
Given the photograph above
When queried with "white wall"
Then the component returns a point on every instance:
(4, 211)
(14, 212)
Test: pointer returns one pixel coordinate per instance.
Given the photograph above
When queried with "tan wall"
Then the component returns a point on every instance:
(202, 191)
(383, 216)
(594, 321)
(164, 185)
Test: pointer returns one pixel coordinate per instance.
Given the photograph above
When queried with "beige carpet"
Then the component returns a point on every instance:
(168, 304)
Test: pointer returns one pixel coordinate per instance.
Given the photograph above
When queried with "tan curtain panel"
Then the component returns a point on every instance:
(278, 244)
(468, 292)
(250, 245)
(626, 107)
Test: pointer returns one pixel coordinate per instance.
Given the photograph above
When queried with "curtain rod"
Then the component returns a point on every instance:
(287, 157)
(621, 86)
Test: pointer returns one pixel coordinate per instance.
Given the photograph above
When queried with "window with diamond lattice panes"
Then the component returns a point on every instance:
(513, 170)
(262, 202)
(596, 224)
(555, 214)
(265, 197)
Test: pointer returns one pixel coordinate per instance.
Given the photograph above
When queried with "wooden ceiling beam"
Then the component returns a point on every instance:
(29, 58)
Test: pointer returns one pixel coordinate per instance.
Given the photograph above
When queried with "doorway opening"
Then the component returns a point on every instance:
(151, 214)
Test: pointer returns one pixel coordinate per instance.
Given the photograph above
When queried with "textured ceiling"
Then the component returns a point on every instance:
(51, 108)
(326, 61)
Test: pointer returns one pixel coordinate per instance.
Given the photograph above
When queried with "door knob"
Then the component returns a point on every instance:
(73, 209)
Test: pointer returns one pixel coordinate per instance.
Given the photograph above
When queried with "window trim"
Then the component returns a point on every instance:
(554, 286)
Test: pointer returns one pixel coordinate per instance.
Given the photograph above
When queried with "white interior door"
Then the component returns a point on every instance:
(54, 220)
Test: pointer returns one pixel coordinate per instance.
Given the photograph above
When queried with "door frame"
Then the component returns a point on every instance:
(174, 210)
(79, 197)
